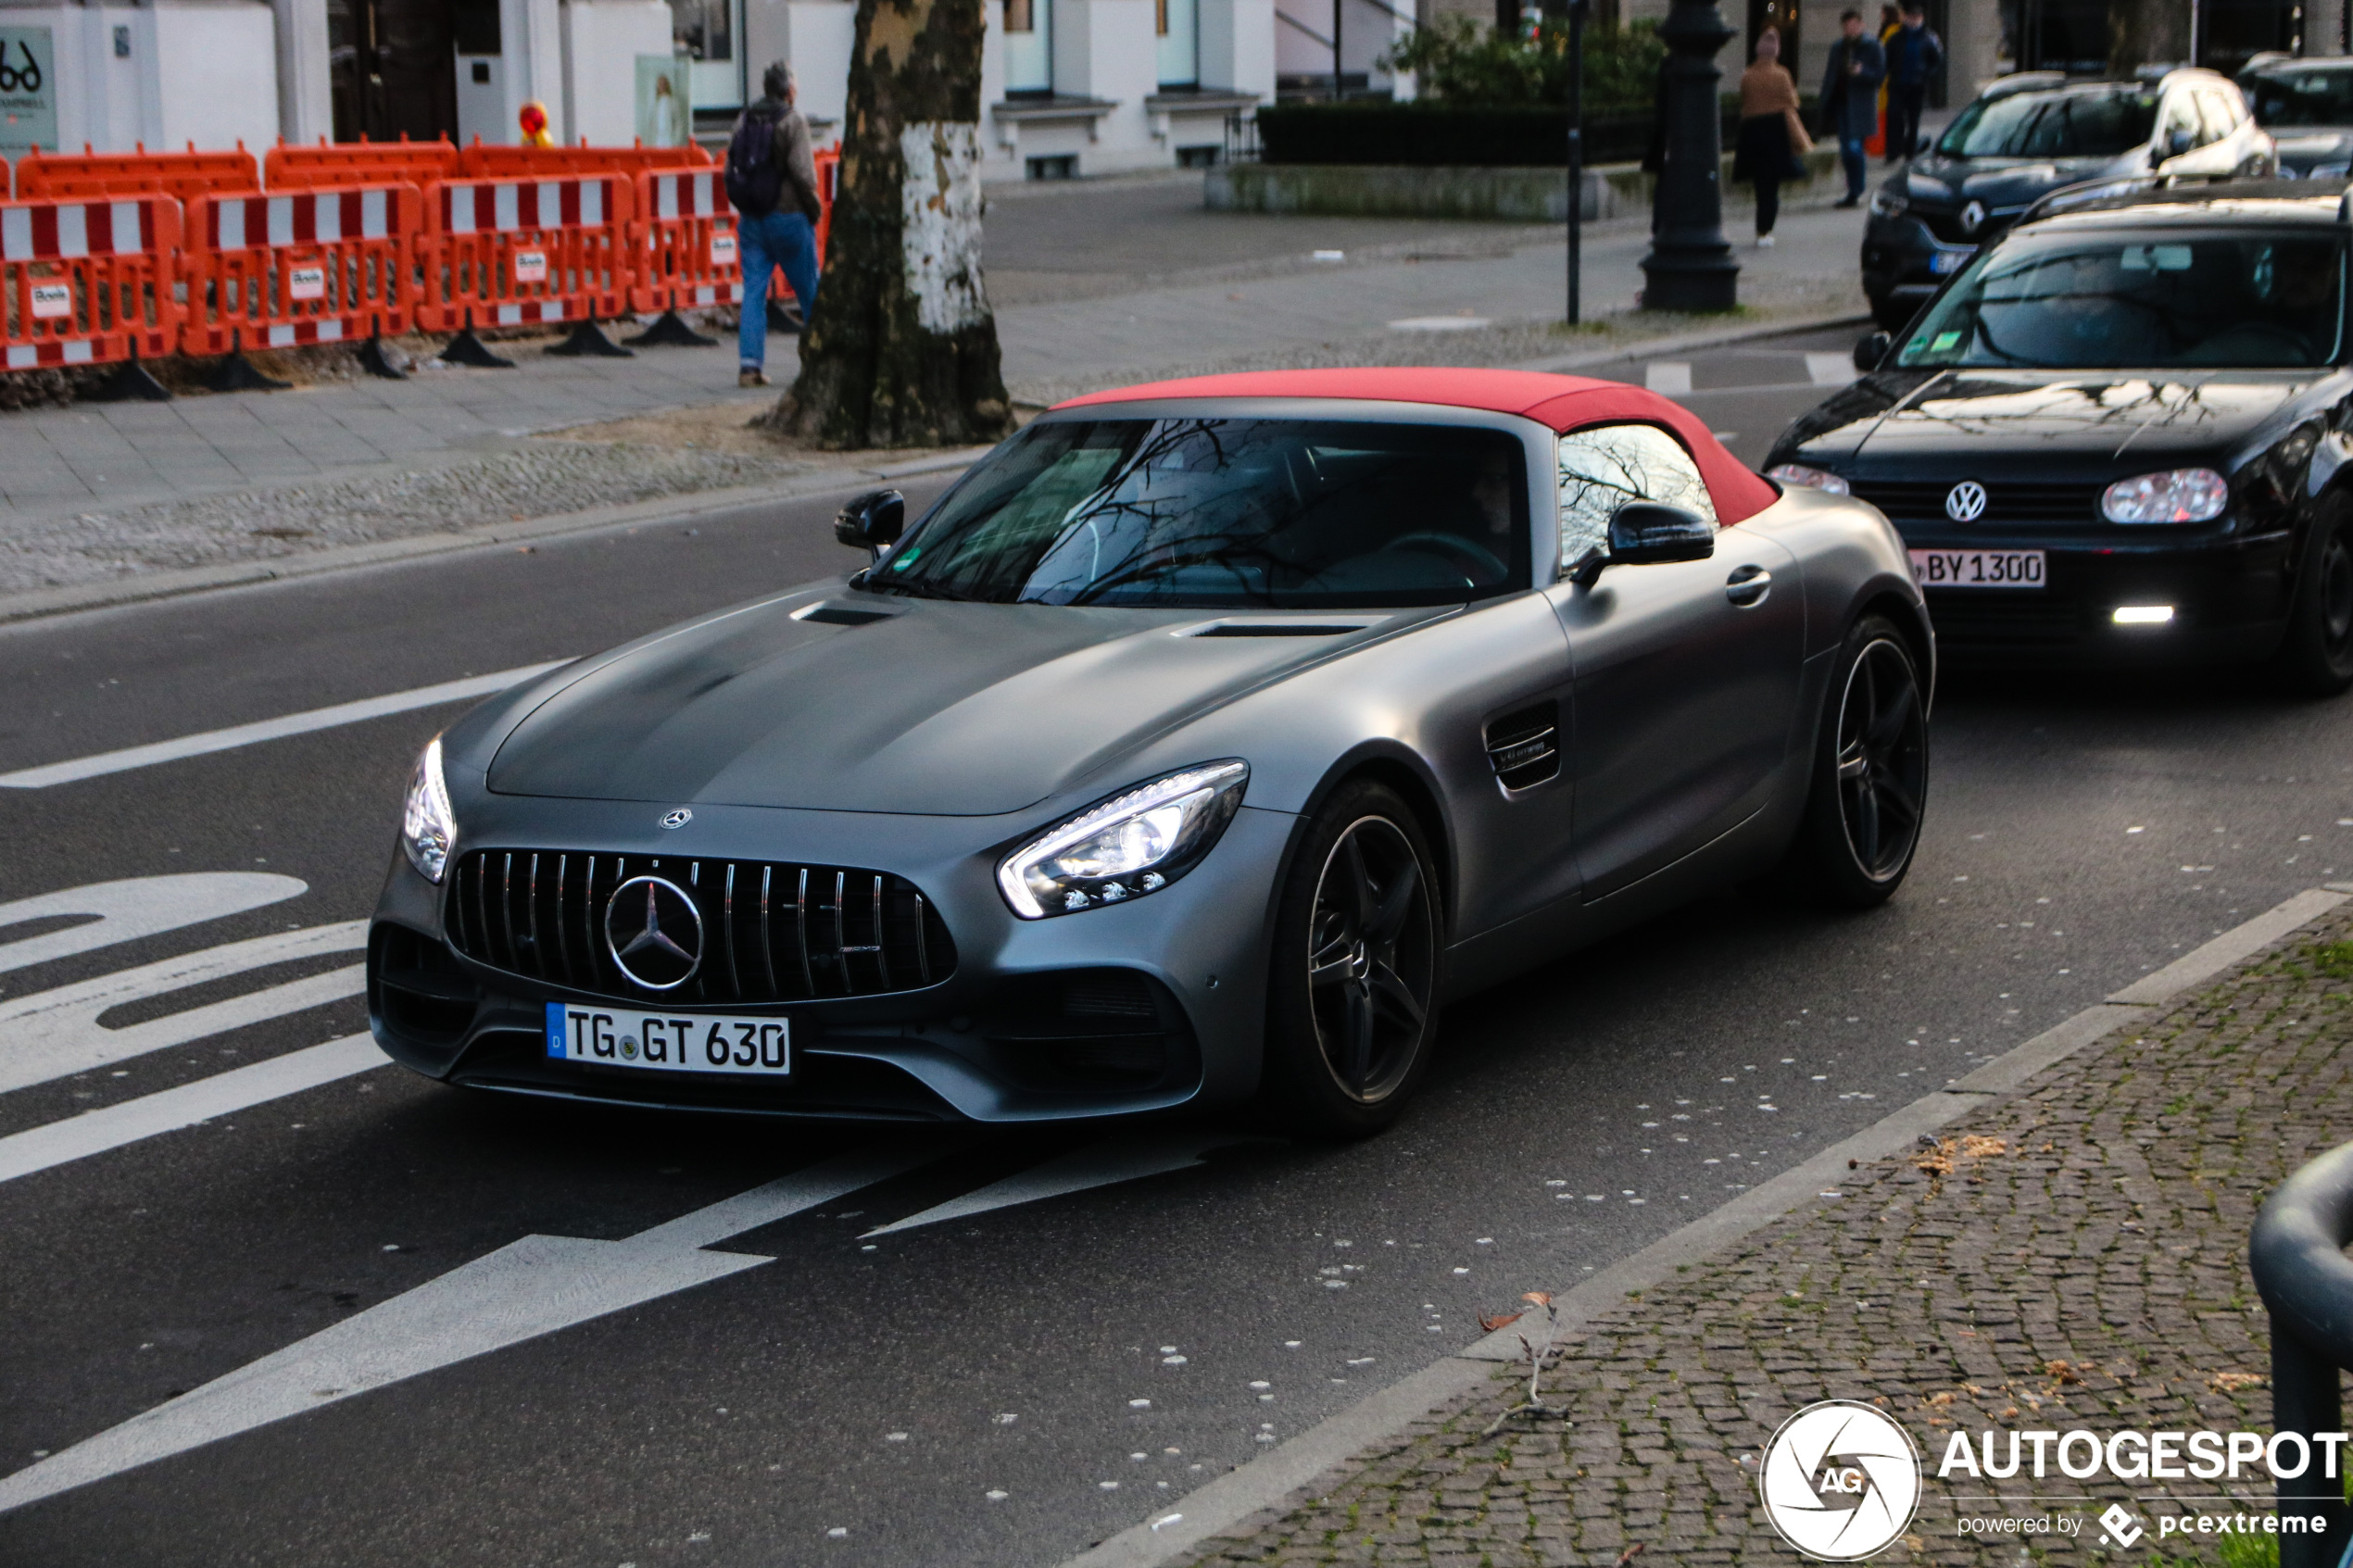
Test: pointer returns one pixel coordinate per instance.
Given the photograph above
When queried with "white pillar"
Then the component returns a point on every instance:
(305, 99)
(2324, 27)
(1237, 46)
(1972, 40)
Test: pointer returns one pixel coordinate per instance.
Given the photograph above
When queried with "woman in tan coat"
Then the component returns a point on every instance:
(1771, 136)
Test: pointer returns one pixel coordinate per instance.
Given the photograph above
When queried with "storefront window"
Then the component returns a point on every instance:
(703, 28)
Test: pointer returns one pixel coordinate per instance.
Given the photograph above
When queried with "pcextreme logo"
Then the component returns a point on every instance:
(1841, 1481)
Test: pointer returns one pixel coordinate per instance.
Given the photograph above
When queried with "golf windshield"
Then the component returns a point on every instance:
(1228, 513)
(2308, 97)
(2139, 301)
(2052, 125)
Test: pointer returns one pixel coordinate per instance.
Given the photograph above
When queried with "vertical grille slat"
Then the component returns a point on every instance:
(527, 911)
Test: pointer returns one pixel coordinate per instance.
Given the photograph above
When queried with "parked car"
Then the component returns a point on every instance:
(2307, 106)
(1195, 746)
(2120, 436)
(2031, 134)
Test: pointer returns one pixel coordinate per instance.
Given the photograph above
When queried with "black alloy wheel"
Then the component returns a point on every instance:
(1871, 780)
(1352, 1002)
(2316, 659)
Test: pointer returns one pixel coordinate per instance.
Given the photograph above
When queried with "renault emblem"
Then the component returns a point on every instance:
(1972, 218)
(1965, 501)
(654, 932)
(679, 818)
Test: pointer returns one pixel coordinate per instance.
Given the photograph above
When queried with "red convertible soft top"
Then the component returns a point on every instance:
(1565, 403)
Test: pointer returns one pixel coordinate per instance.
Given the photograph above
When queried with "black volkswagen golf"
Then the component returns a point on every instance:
(2120, 435)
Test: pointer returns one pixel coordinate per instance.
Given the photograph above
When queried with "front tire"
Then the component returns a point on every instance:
(2316, 658)
(1869, 777)
(1353, 994)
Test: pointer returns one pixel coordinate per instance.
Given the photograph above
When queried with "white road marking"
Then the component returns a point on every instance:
(1830, 369)
(140, 906)
(531, 1287)
(55, 1034)
(1120, 1159)
(1440, 324)
(270, 729)
(1664, 377)
(95, 1132)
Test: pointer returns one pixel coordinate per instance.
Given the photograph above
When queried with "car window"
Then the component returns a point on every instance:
(2305, 97)
(1228, 513)
(2217, 112)
(2180, 114)
(2143, 299)
(2071, 124)
(1606, 466)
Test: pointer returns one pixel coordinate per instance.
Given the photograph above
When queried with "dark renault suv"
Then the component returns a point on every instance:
(2029, 135)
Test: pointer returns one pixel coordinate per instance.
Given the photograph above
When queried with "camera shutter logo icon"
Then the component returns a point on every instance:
(1841, 1481)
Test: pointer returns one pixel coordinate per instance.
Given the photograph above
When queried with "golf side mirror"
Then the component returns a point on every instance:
(873, 521)
(1870, 350)
(1646, 533)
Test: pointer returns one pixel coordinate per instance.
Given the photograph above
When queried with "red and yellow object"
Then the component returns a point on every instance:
(533, 121)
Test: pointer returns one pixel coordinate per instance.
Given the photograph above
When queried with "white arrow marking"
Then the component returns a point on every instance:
(1124, 1160)
(1830, 369)
(1666, 378)
(269, 729)
(139, 906)
(534, 1287)
(95, 1132)
(56, 1034)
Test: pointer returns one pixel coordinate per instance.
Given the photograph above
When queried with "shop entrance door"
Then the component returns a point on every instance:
(392, 67)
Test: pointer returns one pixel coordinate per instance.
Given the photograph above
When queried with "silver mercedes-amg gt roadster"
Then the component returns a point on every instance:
(1191, 750)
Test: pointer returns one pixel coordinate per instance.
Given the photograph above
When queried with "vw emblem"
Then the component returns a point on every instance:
(1972, 218)
(679, 818)
(1965, 501)
(654, 932)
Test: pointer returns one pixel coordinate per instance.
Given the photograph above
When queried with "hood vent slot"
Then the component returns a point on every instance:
(1523, 746)
(1277, 629)
(841, 615)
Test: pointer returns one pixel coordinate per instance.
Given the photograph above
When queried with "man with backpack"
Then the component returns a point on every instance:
(771, 182)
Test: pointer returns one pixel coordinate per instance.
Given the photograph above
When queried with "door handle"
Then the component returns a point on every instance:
(1747, 587)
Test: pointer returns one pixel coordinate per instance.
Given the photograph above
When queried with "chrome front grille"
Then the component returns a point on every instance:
(771, 931)
(2006, 501)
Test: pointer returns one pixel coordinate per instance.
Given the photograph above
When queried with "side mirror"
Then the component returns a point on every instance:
(873, 521)
(1646, 533)
(2178, 142)
(1920, 144)
(1871, 350)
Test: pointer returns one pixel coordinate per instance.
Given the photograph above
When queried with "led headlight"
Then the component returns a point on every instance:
(1137, 842)
(1810, 479)
(428, 828)
(2175, 496)
(1888, 201)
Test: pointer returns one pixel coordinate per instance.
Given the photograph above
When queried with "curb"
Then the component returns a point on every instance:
(1685, 341)
(1269, 1483)
(42, 602)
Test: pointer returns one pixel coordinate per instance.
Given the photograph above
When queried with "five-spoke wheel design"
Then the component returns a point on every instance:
(1371, 959)
(1882, 759)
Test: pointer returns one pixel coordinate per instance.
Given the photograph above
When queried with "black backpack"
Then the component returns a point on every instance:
(755, 174)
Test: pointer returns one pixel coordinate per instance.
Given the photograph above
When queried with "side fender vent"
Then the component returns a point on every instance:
(1524, 745)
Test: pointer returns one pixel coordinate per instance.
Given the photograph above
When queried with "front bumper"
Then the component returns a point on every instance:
(1120, 1010)
(2230, 596)
(1904, 263)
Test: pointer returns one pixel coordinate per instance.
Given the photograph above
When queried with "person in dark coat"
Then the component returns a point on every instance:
(1850, 99)
(1912, 62)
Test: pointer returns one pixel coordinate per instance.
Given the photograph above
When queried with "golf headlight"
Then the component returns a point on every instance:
(1888, 201)
(1137, 842)
(1810, 479)
(2175, 496)
(428, 828)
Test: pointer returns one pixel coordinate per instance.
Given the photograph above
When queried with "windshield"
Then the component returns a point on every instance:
(2304, 97)
(1228, 513)
(2136, 301)
(2052, 125)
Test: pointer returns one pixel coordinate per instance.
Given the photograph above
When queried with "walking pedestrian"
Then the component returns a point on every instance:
(772, 182)
(1771, 137)
(1850, 99)
(1912, 59)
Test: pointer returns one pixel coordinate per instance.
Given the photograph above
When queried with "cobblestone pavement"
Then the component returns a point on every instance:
(2071, 1258)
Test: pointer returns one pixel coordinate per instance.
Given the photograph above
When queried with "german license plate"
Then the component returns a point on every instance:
(681, 1042)
(1978, 569)
(1943, 262)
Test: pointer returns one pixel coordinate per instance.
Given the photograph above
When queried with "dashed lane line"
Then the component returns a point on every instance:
(1102, 1164)
(134, 907)
(80, 768)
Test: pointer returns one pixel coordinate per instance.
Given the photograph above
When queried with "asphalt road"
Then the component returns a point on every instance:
(1054, 1353)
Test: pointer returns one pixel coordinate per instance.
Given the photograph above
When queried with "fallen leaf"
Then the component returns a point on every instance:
(1491, 1325)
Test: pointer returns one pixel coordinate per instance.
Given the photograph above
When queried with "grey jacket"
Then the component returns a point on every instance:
(791, 144)
(1850, 103)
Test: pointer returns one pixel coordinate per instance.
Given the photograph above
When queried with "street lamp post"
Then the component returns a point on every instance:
(1690, 265)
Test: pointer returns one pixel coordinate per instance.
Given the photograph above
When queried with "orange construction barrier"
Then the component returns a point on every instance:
(481, 162)
(59, 176)
(299, 267)
(87, 283)
(502, 253)
(290, 167)
(686, 254)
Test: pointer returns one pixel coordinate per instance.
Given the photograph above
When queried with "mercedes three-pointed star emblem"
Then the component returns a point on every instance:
(654, 932)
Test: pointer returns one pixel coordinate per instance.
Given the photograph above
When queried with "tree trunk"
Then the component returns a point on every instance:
(2144, 32)
(901, 349)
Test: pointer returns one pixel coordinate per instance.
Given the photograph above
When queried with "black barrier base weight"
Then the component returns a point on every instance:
(130, 383)
(670, 331)
(234, 372)
(467, 349)
(588, 340)
(781, 319)
(376, 361)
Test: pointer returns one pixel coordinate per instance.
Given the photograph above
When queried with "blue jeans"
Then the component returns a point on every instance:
(779, 239)
(1857, 163)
